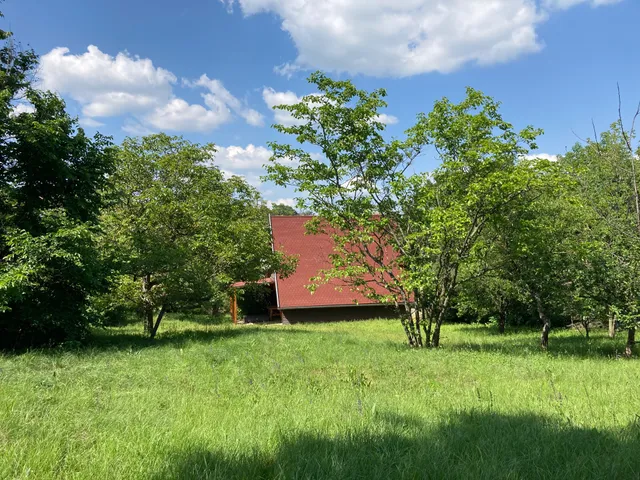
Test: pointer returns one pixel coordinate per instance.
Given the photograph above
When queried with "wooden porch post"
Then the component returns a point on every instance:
(234, 308)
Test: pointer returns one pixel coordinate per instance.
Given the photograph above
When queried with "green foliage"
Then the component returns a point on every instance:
(51, 177)
(414, 235)
(282, 209)
(182, 231)
(605, 175)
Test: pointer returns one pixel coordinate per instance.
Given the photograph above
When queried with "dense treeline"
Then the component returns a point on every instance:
(91, 232)
(493, 232)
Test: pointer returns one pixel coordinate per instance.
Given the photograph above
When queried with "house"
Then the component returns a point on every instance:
(329, 302)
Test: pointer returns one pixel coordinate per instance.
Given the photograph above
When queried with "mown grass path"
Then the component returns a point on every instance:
(342, 400)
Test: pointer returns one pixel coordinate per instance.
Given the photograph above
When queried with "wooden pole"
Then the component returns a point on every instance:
(233, 305)
(235, 309)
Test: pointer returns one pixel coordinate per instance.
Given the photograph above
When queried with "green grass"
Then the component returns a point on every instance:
(342, 400)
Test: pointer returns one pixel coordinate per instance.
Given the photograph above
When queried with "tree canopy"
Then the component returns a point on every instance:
(182, 231)
(51, 177)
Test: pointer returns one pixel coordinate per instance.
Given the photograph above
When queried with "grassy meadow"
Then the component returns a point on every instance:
(339, 400)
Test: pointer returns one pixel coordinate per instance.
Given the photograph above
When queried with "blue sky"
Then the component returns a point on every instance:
(553, 63)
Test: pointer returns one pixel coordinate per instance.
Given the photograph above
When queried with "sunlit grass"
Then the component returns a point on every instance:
(339, 400)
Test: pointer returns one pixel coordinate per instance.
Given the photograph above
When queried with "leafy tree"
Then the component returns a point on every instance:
(182, 230)
(606, 173)
(282, 209)
(482, 178)
(492, 295)
(538, 244)
(402, 238)
(51, 176)
(352, 192)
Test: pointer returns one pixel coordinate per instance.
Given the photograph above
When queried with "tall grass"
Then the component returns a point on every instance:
(342, 400)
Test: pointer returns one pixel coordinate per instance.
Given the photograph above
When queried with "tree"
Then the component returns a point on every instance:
(409, 234)
(605, 170)
(538, 244)
(482, 177)
(282, 209)
(490, 295)
(183, 231)
(51, 176)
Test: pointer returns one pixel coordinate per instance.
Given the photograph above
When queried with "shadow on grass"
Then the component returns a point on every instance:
(469, 445)
(178, 338)
(116, 339)
(527, 342)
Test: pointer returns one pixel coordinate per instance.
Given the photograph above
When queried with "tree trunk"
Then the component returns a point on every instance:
(418, 332)
(502, 320)
(586, 329)
(546, 324)
(612, 326)
(544, 338)
(154, 329)
(631, 341)
(407, 325)
(435, 339)
(427, 327)
(443, 308)
(148, 322)
(148, 307)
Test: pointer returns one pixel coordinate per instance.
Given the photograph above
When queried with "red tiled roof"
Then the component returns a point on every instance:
(289, 236)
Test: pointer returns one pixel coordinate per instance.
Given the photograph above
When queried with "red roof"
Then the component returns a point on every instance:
(289, 236)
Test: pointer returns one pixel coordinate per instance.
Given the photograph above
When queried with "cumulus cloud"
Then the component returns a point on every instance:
(252, 179)
(387, 119)
(107, 86)
(87, 122)
(544, 156)
(241, 158)
(273, 98)
(399, 38)
(291, 202)
(22, 108)
(251, 157)
(178, 115)
(218, 95)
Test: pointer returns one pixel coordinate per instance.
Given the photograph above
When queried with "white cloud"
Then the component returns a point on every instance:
(239, 158)
(282, 117)
(219, 95)
(87, 122)
(252, 179)
(387, 119)
(399, 38)
(249, 158)
(544, 156)
(286, 69)
(107, 86)
(178, 115)
(291, 202)
(273, 98)
(117, 103)
(22, 108)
